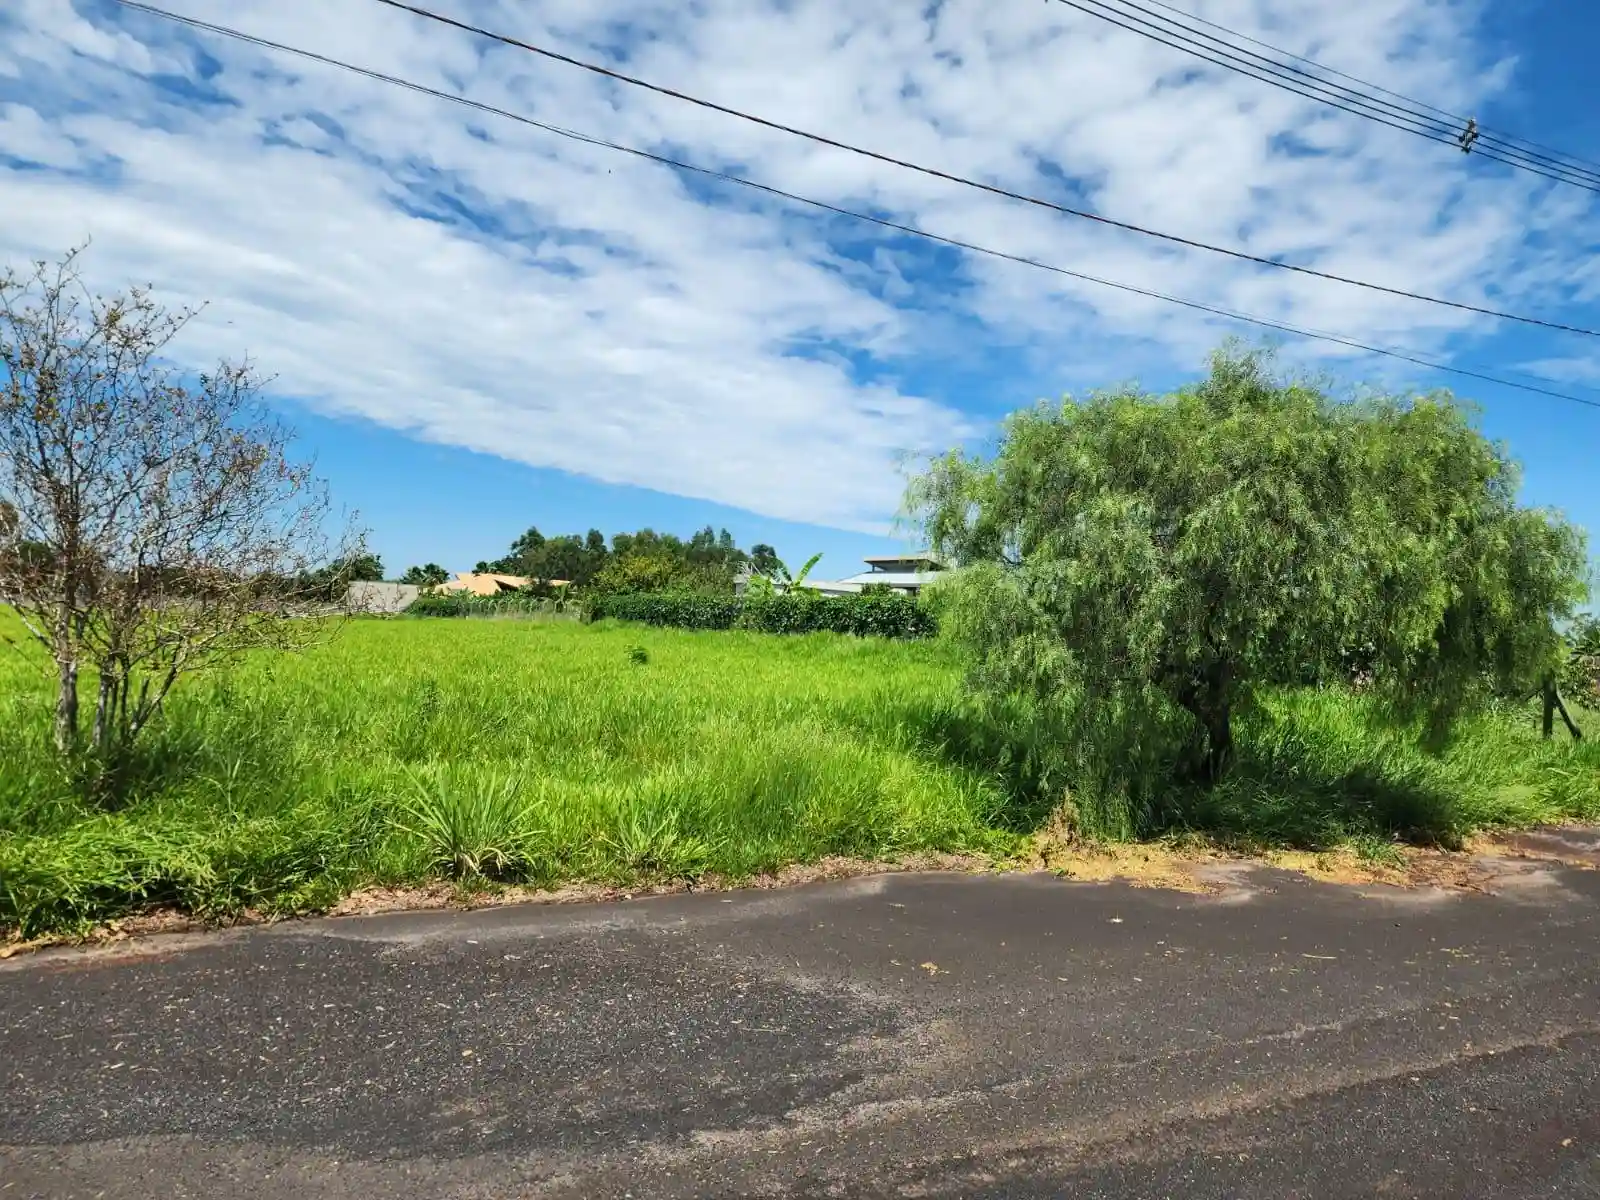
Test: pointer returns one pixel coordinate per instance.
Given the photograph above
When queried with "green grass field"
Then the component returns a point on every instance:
(546, 752)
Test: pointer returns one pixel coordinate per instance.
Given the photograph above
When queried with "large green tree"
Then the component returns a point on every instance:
(1160, 558)
(571, 557)
(708, 561)
(428, 575)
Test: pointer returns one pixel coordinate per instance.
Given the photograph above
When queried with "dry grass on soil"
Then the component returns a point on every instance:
(1194, 866)
(1210, 869)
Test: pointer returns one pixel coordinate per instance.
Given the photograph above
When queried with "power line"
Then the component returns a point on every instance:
(1413, 116)
(881, 222)
(1453, 119)
(992, 189)
(1445, 129)
(1450, 132)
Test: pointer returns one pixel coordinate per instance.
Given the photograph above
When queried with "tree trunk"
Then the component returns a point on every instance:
(1219, 741)
(67, 708)
(105, 712)
(64, 643)
(1208, 701)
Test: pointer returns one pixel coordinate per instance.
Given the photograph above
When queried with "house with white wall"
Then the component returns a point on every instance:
(905, 573)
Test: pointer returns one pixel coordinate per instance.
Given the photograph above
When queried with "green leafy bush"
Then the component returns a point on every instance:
(889, 615)
(1580, 675)
(464, 604)
(678, 610)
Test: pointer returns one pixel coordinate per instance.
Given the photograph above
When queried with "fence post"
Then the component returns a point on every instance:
(1566, 718)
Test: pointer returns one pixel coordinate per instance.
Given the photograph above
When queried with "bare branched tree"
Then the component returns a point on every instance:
(152, 522)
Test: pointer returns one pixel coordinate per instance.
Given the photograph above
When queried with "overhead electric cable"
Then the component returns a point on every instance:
(992, 189)
(1459, 133)
(1455, 120)
(881, 222)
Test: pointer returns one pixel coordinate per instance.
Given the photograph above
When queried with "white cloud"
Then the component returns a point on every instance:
(1583, 371)
(611, 319)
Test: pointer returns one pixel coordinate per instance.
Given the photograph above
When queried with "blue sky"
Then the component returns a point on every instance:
(478, 327)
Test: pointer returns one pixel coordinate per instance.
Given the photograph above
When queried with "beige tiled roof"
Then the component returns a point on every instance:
(485, 584)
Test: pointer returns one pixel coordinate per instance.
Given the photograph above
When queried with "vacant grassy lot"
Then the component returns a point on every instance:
(548, 752)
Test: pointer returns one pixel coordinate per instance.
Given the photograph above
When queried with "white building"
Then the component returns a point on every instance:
(907, 573)
(384, 599)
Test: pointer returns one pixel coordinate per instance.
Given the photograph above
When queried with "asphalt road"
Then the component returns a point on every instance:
(913, 1035)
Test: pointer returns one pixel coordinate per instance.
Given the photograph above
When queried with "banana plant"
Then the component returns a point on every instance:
(761, 586)
(799, 580)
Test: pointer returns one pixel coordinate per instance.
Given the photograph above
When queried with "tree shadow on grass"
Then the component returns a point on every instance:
(1319, 768)
(41, 792)
(159, 763)
(1010, 748)
(1292, 785)
(1316, 809)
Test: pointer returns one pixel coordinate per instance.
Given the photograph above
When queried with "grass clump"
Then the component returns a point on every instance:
(654, 840)
(508, 751)
(472, 824)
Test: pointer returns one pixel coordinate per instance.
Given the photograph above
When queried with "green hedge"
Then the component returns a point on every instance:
(889, 615)
(457, 604)
(681, 610)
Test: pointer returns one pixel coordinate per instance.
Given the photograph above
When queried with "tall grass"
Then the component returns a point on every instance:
(1321, 767)
(514, 750)
(543, 752)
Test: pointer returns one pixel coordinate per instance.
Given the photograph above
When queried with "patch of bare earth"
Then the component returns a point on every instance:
(1412, 868)
(1140, 863)
(445, 895)
(1192, 866)
(1195, 866)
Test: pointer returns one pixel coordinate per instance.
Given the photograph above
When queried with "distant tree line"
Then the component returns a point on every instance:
(645, 561)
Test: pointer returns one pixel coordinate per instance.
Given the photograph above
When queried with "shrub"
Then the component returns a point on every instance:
(889, 615)
(1580, 676)
(680, 610)
(649, 573)
(459, 604)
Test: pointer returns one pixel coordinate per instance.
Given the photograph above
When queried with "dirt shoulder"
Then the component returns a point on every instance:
(1488, 864)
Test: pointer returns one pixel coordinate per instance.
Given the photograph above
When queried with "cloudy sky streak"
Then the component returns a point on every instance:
(479, 284)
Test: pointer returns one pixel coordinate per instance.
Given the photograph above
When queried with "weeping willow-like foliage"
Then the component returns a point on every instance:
(1145, 564)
